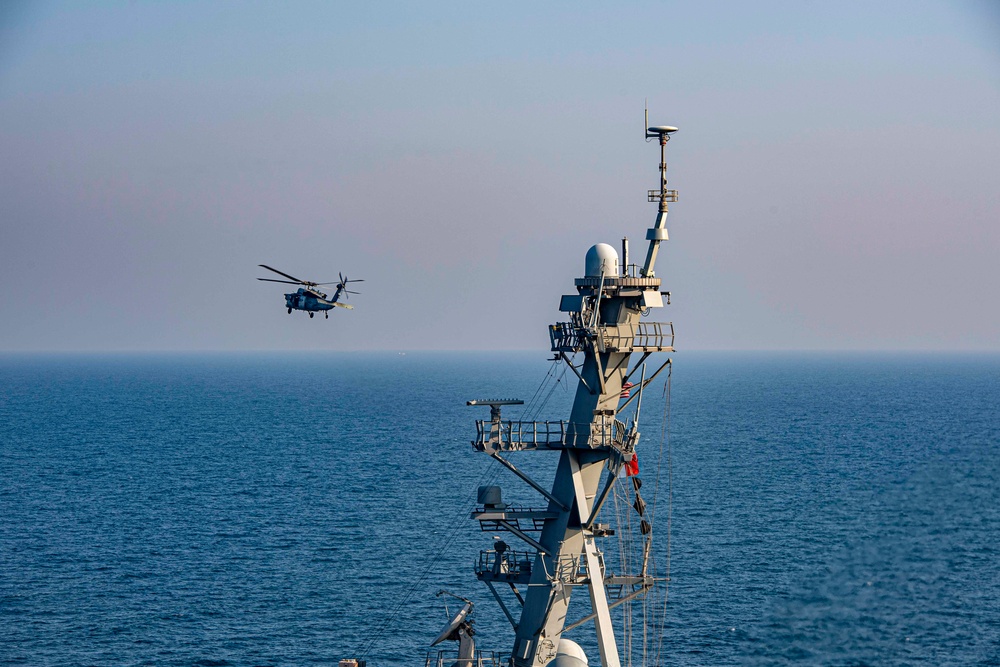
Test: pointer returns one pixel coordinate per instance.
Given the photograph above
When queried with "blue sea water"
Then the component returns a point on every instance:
(261, 509)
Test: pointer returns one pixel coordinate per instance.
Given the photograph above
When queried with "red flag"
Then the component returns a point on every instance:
(632, 467)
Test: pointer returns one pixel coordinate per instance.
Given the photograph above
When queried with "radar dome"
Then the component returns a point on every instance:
(602, 258)
(569, 654)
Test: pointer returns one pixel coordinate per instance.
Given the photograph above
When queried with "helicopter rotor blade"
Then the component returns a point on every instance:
(272, 280)
(282, 273)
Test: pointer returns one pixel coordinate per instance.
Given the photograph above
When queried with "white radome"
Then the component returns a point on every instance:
(569, 654)
(602, 258)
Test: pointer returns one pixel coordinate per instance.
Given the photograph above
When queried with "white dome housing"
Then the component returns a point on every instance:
(569, 654)
(602, 258)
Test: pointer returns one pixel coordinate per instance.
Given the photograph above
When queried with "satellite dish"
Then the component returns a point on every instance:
(453, 625)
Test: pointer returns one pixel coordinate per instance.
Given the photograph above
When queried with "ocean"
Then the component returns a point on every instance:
(295, 509)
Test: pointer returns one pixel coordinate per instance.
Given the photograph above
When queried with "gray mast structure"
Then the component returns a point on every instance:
(604, 325)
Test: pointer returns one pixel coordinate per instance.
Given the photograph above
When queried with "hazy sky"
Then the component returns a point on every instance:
(838, 166)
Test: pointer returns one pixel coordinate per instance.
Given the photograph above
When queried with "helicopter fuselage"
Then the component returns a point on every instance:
(308, 300)
(312, 301)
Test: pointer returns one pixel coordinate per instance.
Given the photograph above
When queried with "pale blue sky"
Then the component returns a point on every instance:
(838, 164)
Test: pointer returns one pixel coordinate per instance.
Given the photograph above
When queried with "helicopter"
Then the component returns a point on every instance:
(310, 299)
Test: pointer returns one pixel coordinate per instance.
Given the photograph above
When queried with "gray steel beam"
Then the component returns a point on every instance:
(532, 483)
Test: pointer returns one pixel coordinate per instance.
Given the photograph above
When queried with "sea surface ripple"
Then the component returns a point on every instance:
(294, 509)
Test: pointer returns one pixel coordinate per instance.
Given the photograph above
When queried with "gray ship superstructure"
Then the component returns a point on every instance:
(542, 555)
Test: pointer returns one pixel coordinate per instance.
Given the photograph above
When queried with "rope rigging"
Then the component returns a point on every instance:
(629, 510)
(665, 440)
(531, 411)
(428, 565)
(489, 476)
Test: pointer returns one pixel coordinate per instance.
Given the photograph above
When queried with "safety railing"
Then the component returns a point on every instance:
(521, 518)
(478, 659)
(517, 567)
(639, 337)
(515, 436)
(566, 337)
(571, 570)
(666, 195)
(513, 566)
(632, 280)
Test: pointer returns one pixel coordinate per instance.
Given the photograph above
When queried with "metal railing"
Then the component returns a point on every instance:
(667, 195)
(633, 278)
(571, 570)
(518, 517)
(512, 436)
(566, 337)
(639, 337)
(517, 567)
(509, 566)
(479, 659)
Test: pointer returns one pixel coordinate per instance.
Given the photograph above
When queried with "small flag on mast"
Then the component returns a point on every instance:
(632, 467)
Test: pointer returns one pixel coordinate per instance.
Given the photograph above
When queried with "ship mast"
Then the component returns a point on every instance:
(658, 232)
(605, 326)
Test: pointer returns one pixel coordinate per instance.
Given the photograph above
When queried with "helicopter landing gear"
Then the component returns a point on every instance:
(327, 315)
(289, 311)
(310, 315)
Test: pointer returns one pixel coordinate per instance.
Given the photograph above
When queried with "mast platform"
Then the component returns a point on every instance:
(492, 519)
(509, 567)
(639, 337)
(515, 567)
(613, 282)
(518, 436)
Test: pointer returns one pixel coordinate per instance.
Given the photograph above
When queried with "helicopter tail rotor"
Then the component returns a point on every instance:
(344, 282)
